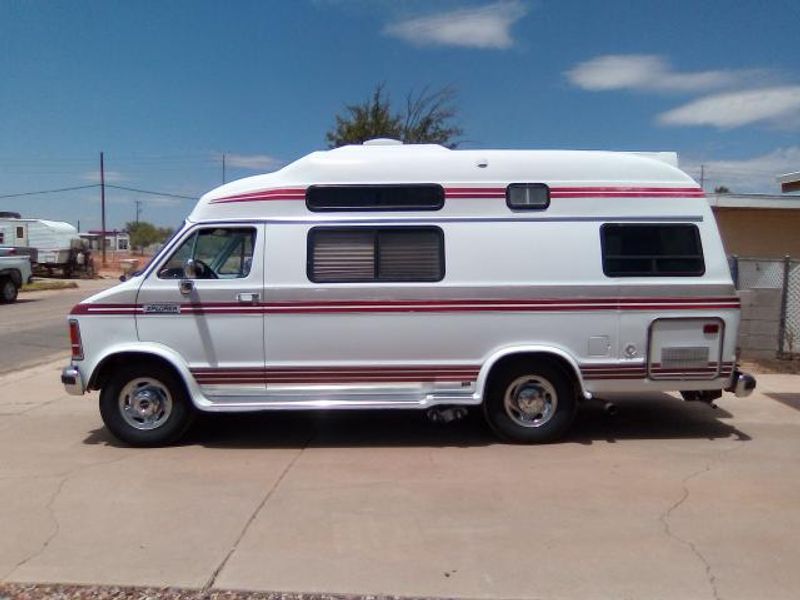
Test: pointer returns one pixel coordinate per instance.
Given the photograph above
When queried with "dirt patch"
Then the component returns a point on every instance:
(772, 365)
(21, 591)
(48, 284)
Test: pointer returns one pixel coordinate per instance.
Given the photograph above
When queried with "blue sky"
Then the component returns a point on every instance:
(164, 87)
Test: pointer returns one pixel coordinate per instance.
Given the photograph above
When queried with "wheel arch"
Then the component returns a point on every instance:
(14, 274)
(145, 352)
(552, 354)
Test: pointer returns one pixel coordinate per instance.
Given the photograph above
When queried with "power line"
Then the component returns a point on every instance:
(94, 185)
(67, 189)
(167, 195)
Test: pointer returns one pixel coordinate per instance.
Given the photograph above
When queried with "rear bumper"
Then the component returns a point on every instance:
(742, 384)
(72, 380)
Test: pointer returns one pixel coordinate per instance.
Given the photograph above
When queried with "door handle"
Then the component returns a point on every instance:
(247, 297)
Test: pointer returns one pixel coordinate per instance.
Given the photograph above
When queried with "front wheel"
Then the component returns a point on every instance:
(146, 405)
(530, 403)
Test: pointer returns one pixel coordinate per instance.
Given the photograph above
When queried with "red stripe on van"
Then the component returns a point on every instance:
(492, 192)
(456, 305)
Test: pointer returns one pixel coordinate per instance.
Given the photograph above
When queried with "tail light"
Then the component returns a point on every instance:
(75, 340)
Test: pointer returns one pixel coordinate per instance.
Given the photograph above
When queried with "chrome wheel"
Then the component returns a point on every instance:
(530, 401)
(145, 403)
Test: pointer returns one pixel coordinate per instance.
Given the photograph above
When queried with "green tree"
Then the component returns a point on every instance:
(428, 118)
(144, 234)
(721, 189)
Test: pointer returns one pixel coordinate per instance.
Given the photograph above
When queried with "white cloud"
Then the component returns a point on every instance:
(756, 174)
(649, 72)
(255, 162)
(779, 106)
(484, 27)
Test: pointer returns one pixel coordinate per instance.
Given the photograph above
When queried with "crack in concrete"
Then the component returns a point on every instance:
(65, 477)
(270, 492)
(664, 517)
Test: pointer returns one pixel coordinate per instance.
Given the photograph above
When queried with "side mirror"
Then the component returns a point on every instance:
(190, 269)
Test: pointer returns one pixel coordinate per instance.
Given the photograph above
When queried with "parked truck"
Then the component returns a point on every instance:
(15, 270)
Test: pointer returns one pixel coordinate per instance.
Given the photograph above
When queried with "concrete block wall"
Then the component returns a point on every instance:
(758, 332)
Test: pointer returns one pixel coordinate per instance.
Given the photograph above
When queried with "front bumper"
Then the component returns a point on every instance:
(72, 380)
(742, 384)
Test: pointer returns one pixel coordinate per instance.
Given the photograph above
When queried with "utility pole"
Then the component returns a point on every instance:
(702, 175)
(103, 208)
(223, 167)
(138, 210)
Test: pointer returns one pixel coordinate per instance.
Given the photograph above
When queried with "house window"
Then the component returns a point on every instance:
(644, 250)
(2, 237)
(122, 244)
(20, 233)
(363, 254)
(527, 196)
(326, 198)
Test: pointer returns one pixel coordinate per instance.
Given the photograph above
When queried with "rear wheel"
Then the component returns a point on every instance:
(146, 405)
(530, 402)
(8, 290)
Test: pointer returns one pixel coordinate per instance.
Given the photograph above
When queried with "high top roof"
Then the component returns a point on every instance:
(264, 195)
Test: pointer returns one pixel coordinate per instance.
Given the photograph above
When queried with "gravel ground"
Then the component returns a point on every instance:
(22, 591)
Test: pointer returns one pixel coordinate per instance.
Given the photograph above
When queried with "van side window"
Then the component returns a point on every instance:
(327, 198)
(527, 196)
(359, 254)
(218, 253)
(644, 250)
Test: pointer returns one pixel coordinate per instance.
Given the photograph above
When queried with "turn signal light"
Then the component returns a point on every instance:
(75, 340)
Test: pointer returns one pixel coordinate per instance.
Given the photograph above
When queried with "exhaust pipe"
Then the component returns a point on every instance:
(610, 408)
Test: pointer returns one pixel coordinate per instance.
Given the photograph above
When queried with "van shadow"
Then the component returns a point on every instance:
(640, 417)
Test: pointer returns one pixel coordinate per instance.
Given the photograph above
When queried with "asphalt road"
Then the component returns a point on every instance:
(33, 330)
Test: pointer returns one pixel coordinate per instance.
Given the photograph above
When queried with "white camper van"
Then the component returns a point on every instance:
(390, 276)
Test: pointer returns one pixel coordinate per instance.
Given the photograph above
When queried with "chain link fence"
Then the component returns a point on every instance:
(783, 277)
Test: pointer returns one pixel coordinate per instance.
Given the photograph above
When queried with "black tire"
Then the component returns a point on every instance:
(552, 396)
(8, 290)
(171, 427)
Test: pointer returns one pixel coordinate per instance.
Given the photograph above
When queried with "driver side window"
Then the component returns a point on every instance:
(217, 252)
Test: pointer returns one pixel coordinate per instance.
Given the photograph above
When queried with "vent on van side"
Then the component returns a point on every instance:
(690, 357)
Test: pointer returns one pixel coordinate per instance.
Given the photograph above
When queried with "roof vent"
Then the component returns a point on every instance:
(383, 142)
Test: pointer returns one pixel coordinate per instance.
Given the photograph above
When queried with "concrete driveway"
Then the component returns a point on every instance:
(665, 500)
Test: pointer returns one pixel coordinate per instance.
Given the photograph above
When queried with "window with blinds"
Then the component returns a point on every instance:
(385, 254)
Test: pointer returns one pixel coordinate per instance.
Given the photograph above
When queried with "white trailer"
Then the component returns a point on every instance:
(388, 276)
(53, 243)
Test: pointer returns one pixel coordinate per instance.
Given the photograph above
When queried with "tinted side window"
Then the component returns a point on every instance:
(643, 250)
(527, 196)
(321, 198)
(348, 254)
(219, 253)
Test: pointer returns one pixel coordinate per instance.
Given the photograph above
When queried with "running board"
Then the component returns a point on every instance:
(334, 399)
